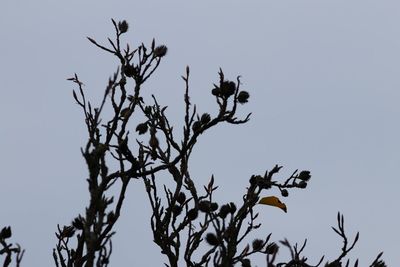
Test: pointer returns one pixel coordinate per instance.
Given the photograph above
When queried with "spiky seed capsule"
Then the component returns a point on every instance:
(212, 239)
(129, 70)
(205, 118)
(243, 97)
(181, 198)
(142, 128)
(160, 51)
(228, 88)
(257, 244)
(304, 175)
(284, 193)
(123, 26)
(192, 214)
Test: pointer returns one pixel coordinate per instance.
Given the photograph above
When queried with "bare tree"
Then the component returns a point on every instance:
(188, 225)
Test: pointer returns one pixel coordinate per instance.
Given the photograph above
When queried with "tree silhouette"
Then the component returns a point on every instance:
(131, 138)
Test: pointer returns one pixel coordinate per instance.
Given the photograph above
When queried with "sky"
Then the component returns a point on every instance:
(324, 93)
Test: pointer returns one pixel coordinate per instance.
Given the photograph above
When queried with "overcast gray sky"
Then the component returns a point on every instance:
(325, 88)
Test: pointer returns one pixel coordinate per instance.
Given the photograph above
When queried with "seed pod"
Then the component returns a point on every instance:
(284, 193)
(176, 210)
(212, 239)
(223, 212)
(160, 51)
(205, 206)
(302, 184)
(228, 88)
(196, 126)
(77, 223)
(181, 198)
(142, 128)
(5, 233)
(233, 207)
(243, 97)
(257, 244)
(272, 248)
(192, 214)
(129, 70)
(205, 118)
(304, 175)
(123, 26)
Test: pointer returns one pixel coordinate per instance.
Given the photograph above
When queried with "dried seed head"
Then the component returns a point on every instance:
(304, 175)
(246, 263)
(176, 210)
(205, 118)
(129, 70)
(233, 207)
(223, 212)
(181, 198)
(160, 51)
(243, 97)
(123, 26)
(284, 193)
(192, 214)
(5, 233)
(142, 128)
(212, 239)
(216, 91)
(228, 88)
(257, 244)
(302, 184)
(78, 223)
(196, 126)
(272, 248)
(205, 206)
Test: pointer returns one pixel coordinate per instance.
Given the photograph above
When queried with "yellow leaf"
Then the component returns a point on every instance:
(273, 201)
